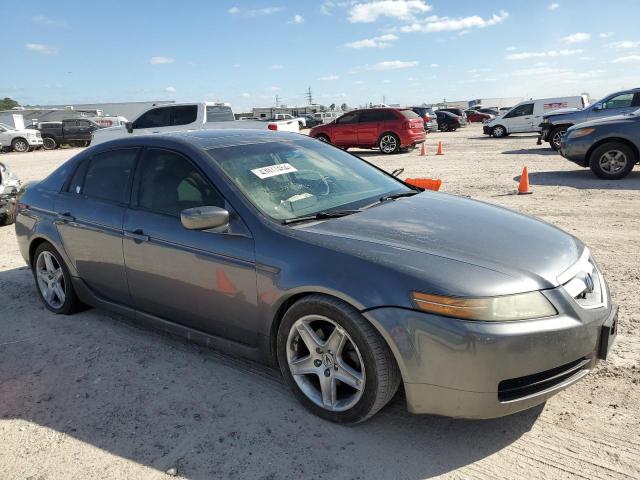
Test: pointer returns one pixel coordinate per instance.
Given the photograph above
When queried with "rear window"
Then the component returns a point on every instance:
(219, 113)
(108, 173)
(410, 114)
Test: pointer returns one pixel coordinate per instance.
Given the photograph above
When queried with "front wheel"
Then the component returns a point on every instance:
(323, 138)
(612, 161)
(49, 143)
(555, 137)
(334, 361)
(389, 143)
(53, 281)
(499, 131)
(20, 145)
(444, 127)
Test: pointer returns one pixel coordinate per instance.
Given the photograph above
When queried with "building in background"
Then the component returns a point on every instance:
(270, 112)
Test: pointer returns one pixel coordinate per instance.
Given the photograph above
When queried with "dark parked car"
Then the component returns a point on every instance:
(458, 112)
(474, 116)
(312, 121)
(490, 111)
(428, 116)
(447, 121)
(556, 124)
(74, 131)
(610, 146)
(290, 251)
(389, 129)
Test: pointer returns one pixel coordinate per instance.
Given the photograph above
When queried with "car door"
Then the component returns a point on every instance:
(90, 213)
(618, 104)
(520, 119)
(344, 131)
(205, 280)
(371, 121)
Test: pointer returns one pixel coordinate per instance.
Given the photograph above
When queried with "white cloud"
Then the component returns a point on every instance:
(329, 78)
(49, 22)
(511, 49)
(554, 6)
(375, 42)
(630, 58)
(401, 9)
(275, 89)
(254, 12)
(276, 67)
(161, 60)
(386, 81)
(358, 82)
(297, 19)
(170, 89)
(550, 53)
(624, 45)
(41, 48)
(606, 34)
(245, 95)
(446, 24)
(576, 38)
(434, 65)
(392, 65)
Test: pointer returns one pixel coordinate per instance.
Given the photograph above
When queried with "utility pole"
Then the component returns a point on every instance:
(309, 96)
(277, 100)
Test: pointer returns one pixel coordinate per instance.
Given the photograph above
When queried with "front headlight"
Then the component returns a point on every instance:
(522, 306)
(581, 132)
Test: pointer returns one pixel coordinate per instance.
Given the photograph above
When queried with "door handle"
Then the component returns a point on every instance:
(136, 235)
(66, 217)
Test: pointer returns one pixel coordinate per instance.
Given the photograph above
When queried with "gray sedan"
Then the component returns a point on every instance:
(286, 250)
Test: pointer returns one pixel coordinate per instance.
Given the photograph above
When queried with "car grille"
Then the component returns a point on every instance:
(584, 283)
(518, 388)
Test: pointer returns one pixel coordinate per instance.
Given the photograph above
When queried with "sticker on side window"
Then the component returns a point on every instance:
(273, 170)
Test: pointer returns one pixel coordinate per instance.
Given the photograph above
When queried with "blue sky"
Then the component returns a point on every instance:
(354, 52)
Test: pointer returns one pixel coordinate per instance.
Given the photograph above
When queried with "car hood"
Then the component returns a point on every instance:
(422, 230)
(606, 120)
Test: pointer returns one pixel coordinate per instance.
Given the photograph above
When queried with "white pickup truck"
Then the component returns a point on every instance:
(187, 116)
(302, 122)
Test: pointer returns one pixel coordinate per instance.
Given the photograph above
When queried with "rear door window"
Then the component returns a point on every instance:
(158, 117)
(184, 114)
(108, 174)
(348, 118)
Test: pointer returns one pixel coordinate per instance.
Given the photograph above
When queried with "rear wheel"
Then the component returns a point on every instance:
(444, 127)
(49, 143)
(389, 143)
(499, 131)
(556, 136)
(612, 161)
(335, 362)
(323, 138)
(53, 281)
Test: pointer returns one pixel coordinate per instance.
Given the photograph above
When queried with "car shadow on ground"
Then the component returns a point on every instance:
(583, 179)
(531, 151)
(164, 403)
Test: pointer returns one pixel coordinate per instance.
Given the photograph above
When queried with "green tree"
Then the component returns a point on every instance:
(332, 106)
(8, 103)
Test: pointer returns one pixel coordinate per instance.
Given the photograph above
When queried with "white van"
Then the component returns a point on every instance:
(527, 116)
(326, 117)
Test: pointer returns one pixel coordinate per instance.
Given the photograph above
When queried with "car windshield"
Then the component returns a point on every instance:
(6, 127)
(288, 179)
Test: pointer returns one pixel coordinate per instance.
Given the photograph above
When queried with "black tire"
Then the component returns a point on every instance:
(555, 136)
(8, 218)
(20, 145)
(389, 143)
(323, 138)
(49, 143)
(444, 127)
(626, 159)
(498, 131)
(301, 125)
(382, 376)
(71, 303)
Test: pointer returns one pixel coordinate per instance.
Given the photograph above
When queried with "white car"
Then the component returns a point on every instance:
(285, 116)
(326, 117)
(527, 116)
(19, 140)
(9, 188)
(179, 117)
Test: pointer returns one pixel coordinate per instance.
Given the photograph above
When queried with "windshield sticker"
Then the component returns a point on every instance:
(273, 170)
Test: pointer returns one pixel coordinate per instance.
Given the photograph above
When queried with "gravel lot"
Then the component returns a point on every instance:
(91, 396)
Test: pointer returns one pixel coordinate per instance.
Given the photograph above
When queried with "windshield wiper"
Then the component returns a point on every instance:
(319, 216)
(398, 195)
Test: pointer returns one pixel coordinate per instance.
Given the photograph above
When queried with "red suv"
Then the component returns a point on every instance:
(388, 129)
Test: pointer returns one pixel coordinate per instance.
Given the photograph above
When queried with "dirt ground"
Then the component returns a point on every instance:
(90, 396)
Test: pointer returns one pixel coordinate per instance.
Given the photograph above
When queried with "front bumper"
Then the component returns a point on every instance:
(35, 142)
(469, 369)
(486, 130)
(576, 150)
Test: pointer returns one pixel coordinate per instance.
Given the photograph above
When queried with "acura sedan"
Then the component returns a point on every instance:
(287, 250)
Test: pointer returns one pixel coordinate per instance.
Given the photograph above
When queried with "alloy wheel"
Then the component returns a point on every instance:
(613, 161)
(388, 144)
(50, 278)
(557, 137)
(325, 363)
(20, 146)
(498, 132)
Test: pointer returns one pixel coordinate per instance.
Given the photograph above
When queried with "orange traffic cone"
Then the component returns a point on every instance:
(426, 183)
(523, 187)
(423, 153)
(439, 152)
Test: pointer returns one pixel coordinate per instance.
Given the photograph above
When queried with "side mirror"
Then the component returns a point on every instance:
(129, 127)
(204, 218)
(597, 106)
